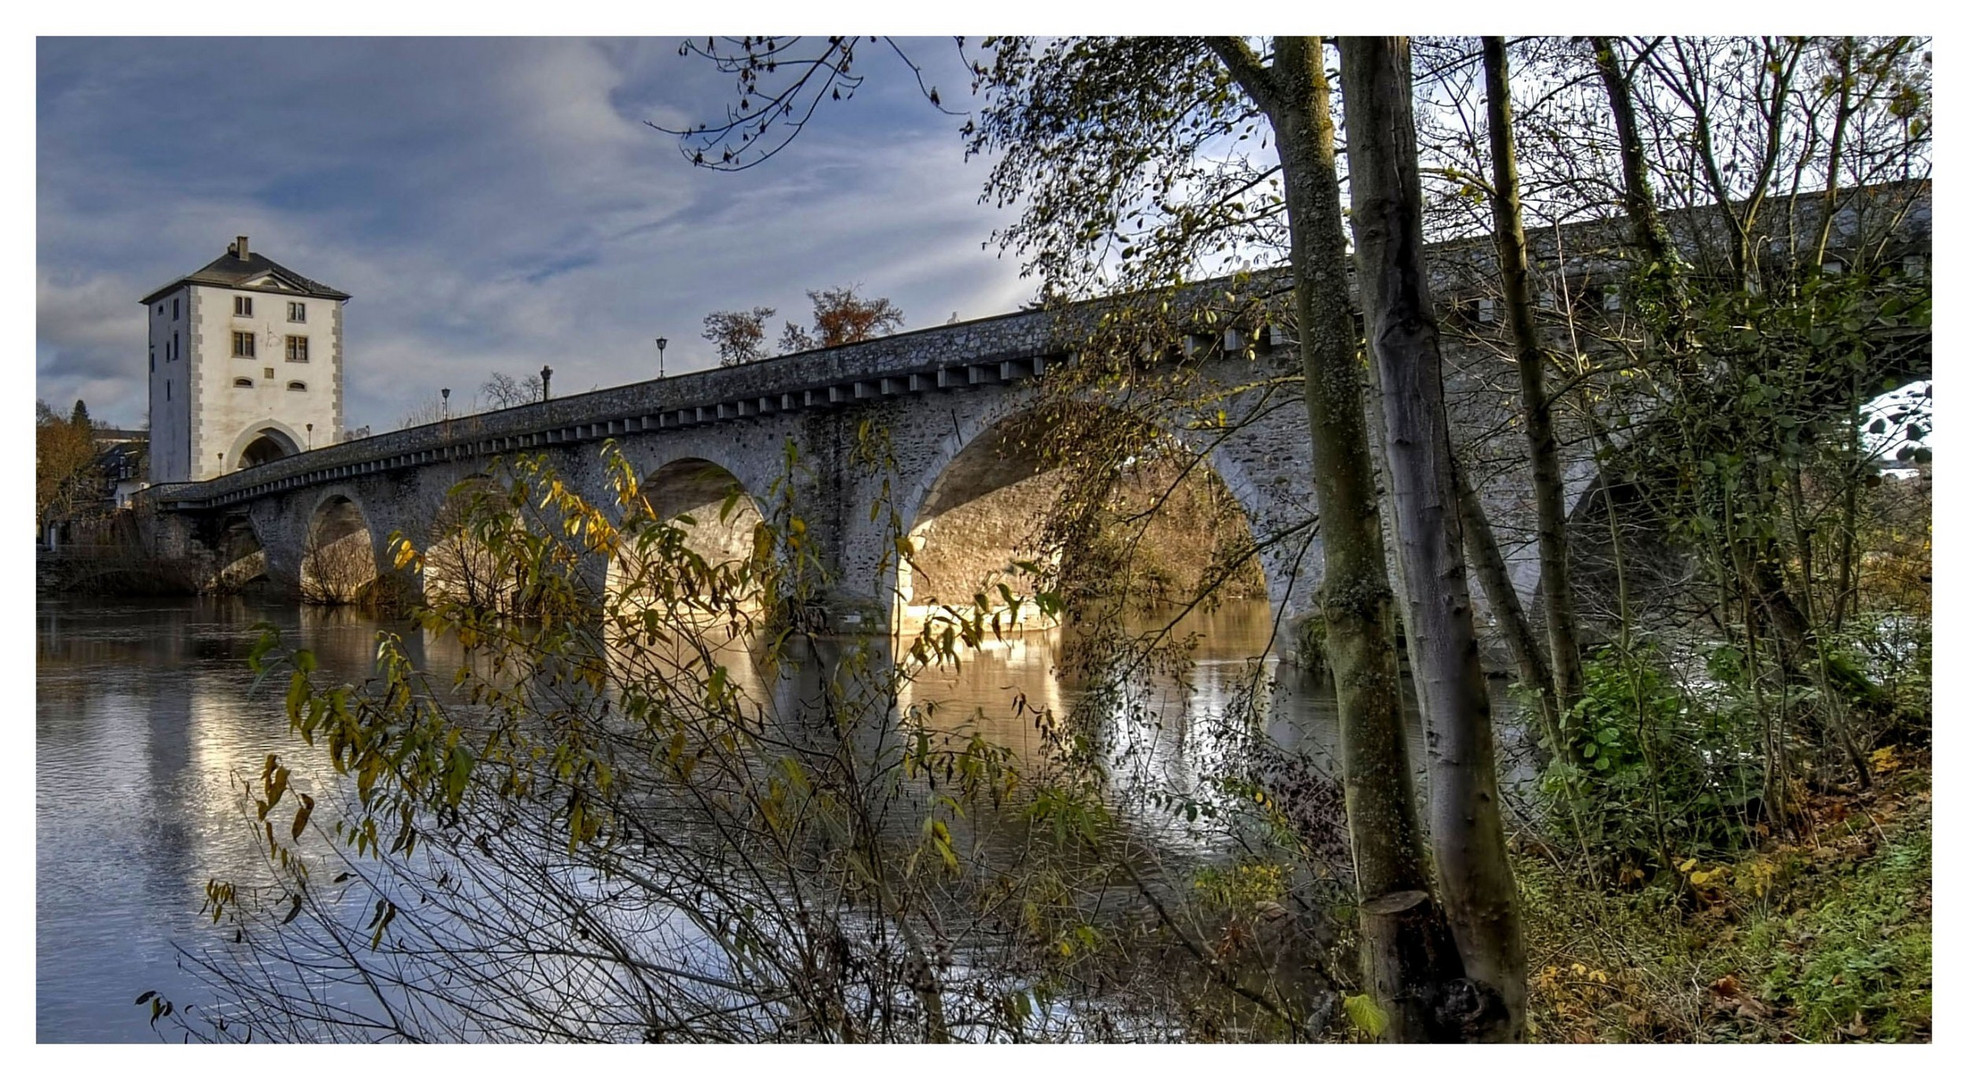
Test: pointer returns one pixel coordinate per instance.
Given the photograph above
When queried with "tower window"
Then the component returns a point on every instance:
(297, 349)
(296, 311)
(242, 305)
(167, 389)
(269, 373)
(174, 308)
(243, 381)
(297, 385)
(242, 344)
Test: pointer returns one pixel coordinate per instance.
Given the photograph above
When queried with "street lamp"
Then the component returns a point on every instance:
(310, 428)
(546, 382)
(446, 395)
(661, 344)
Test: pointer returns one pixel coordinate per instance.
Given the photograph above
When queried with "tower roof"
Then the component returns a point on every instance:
(255, 272)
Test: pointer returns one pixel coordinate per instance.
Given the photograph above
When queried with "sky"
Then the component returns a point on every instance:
(493, 204)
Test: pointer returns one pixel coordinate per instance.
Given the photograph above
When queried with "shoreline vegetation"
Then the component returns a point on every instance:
(1824, 937)
(916, 848)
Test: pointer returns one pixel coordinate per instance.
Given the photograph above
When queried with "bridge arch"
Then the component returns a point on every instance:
(459, 566)
(978, 503)
(261, 442)
(717, 517)
(338, 554)
(240, 557)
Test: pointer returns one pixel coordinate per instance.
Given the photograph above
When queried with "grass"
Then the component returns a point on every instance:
(1827, 937)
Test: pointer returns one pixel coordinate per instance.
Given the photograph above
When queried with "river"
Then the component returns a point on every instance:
(146, 711)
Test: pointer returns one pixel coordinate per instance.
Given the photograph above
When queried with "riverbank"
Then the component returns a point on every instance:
(111, 570)
(1824, 937)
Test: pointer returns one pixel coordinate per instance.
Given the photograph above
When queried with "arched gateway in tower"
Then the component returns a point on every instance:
(245, 367)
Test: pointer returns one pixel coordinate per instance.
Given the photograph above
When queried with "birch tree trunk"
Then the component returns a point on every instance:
(1494, 577)
(1466, 824)
(1547, 478)
(1410, 956)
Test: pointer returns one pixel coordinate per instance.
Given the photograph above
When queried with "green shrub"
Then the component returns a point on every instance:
(1656, 770)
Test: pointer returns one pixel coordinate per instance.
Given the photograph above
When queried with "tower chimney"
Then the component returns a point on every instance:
(239, 249)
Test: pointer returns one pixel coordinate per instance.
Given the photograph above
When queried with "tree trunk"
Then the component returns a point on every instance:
(1407, 971)
(1494, 576)
(1829, 212)
(1648, 231)
(1547, 478)
(1466, 823)
(1774, 609)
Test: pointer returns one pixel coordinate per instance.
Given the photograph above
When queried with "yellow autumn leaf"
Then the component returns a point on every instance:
(1365, 1014)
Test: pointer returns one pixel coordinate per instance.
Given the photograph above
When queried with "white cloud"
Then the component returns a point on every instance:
(492, 205)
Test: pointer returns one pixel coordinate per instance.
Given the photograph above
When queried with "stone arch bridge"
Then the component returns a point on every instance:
(946, 399)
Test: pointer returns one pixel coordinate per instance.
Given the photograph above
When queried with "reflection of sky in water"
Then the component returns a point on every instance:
(1162, 733)
(146, 710)
(141, 722)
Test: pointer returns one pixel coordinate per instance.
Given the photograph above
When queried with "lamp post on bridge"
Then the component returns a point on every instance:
(546, 382)
(661, 344)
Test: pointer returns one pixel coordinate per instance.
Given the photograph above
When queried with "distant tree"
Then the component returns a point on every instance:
(502, 391)
(66, 473)
(79, 416)
(840, 318)
(738, 335)
(795, 339)
(430, 411)
(356, 433)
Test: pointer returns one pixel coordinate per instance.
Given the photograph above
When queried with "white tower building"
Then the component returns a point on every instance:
(245, 367)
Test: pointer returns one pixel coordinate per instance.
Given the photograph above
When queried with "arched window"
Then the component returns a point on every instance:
(243, 381)
(297, 385)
